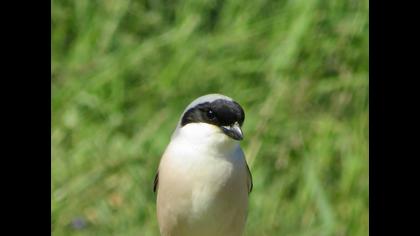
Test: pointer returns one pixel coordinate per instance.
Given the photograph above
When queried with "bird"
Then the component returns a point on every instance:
(203, 181)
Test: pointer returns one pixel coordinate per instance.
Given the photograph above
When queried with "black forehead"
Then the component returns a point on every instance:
(226, 113)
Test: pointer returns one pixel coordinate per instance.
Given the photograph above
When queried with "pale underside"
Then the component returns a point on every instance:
(203, 194)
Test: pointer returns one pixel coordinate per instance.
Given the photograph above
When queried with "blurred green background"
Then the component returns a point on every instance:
(123, 71)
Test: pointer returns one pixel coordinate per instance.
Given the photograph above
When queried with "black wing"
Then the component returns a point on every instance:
(250, 184)
(155, 185)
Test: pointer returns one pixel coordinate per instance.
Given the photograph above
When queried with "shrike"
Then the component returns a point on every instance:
(203, 180)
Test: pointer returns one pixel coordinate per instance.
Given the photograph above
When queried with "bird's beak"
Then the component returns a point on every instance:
(234, 131)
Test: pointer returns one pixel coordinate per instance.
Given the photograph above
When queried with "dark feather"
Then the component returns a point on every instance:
(155, 185)
(251, 185)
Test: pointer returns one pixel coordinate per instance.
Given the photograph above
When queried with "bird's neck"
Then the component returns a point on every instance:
(205, 137)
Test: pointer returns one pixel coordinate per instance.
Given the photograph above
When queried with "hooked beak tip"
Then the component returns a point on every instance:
(234, 131)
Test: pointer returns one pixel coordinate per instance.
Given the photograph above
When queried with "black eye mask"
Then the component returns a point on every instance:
(220, 112)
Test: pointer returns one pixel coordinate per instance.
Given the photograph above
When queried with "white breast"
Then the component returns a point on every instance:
(202, 185)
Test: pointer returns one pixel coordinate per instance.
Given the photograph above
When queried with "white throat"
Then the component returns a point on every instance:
(205, 136)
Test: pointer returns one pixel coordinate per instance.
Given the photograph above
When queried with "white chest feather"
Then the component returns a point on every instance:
(202, 184)
(205, 174)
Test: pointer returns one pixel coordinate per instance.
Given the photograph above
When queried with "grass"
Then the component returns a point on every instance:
(122, 71)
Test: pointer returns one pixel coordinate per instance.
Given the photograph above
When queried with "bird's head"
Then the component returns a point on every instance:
(213, 116)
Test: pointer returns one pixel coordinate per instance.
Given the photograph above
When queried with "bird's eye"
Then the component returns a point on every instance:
(210, 114)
